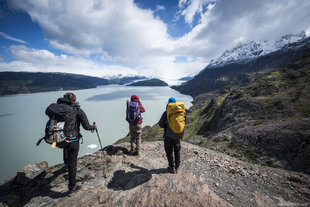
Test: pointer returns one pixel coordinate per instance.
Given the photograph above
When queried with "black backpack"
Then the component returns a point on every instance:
(61, 128)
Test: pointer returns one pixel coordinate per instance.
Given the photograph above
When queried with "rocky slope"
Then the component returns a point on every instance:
(111, 177)
(266, 121)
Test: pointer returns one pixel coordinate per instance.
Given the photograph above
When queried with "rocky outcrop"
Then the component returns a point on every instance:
(112, 177)
(287, 141)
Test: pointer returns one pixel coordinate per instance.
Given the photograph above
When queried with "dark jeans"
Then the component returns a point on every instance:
(173, 145)
(70, 158)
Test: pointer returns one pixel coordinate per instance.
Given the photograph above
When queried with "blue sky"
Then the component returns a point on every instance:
(167, 39)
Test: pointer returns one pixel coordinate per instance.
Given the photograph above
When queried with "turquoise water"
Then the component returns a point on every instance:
(23, 120)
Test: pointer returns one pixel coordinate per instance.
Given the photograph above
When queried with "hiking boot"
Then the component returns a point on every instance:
(74, 189)
(176, 170)
(170, 170)
(136, 153)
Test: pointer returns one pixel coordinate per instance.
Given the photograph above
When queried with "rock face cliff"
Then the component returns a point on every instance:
(112, 177)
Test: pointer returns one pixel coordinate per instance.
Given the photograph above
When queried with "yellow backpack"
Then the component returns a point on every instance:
(176, 116)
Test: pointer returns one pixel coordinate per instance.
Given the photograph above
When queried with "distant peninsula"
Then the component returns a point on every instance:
(150, 82)
(32, 82)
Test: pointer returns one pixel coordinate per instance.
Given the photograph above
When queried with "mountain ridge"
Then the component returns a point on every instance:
(239, 74)
(31, 82)
(246, 52)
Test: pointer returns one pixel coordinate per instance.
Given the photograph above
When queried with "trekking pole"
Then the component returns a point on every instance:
(98, 135)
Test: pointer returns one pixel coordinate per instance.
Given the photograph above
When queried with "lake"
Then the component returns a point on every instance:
(23, 120)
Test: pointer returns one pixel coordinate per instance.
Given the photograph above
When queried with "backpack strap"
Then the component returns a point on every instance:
(39, 141)
(54, 135)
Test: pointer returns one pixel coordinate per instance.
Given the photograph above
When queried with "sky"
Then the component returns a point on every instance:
(166, 39)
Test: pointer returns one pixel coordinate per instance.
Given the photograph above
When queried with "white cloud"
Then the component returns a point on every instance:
(227, 23)
(34, 60)
(308, 32)
(134, 39)
(24, 53)
(118, 28)
(160, 8)
(192, 7)
(12, 38)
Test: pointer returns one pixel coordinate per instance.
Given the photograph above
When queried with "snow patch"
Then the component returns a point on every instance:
(92, 146)
(254, 49)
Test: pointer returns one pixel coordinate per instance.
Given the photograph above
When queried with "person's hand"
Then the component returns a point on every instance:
(95, 125)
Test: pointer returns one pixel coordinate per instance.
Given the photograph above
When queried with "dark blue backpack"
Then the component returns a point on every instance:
(133, 115)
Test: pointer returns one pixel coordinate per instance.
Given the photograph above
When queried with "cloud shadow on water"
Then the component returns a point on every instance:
(6, 115)
(151, 94)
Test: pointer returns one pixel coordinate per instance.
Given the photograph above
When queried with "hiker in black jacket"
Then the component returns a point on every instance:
(71, 150)
(172, 142)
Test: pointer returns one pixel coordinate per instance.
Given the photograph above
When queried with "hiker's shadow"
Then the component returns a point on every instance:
(114, 150)
(127, 180)
(47, 189)
(27, 189)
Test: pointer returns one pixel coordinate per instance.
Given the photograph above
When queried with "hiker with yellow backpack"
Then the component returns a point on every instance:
(173, 122)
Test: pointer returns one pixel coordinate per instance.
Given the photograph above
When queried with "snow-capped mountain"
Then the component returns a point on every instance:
(243, 53)
(242, 72)
(122, 76)
(122, 79)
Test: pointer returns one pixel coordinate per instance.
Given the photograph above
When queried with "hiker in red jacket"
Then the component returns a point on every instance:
(134, 118)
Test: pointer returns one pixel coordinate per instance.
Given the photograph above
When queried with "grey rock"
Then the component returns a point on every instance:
(288, 141)
(110, 178)
(29, 172)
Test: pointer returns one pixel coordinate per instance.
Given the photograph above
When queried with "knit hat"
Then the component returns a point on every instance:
(70, 97)
(134, 98)
(171, 100)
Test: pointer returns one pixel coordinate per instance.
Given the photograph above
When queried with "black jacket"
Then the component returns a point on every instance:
(168, 133)
(81, 118)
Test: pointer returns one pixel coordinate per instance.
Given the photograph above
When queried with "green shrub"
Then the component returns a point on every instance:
(296, 180)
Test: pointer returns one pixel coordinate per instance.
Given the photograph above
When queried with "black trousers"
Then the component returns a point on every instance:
(173, 145)
(70, 159)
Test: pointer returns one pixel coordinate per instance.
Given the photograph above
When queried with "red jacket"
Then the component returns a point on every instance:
(135, 98)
